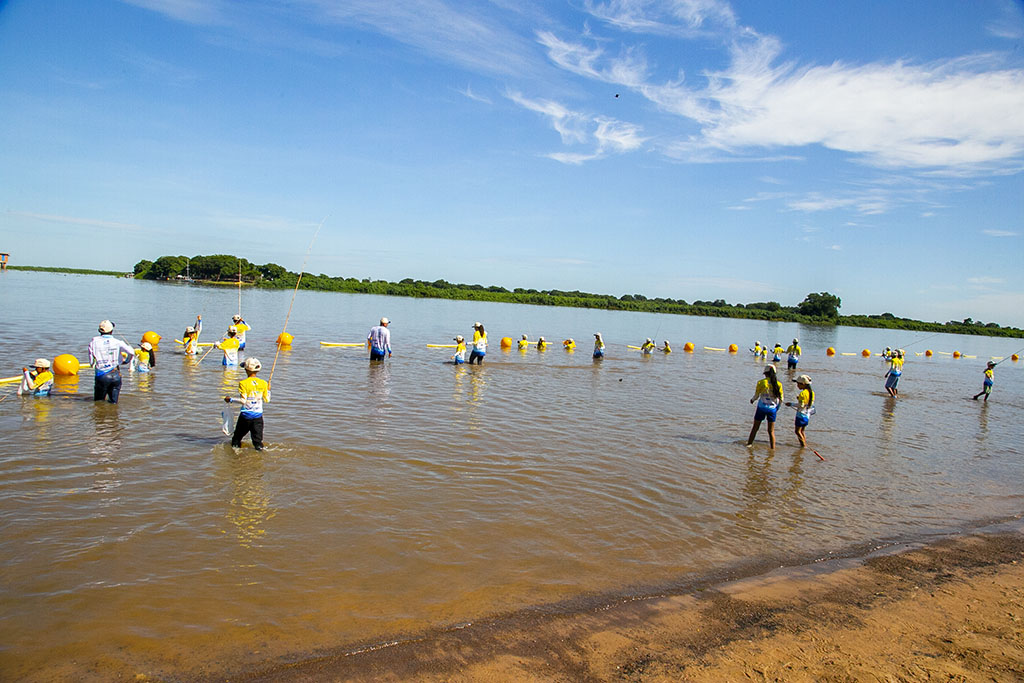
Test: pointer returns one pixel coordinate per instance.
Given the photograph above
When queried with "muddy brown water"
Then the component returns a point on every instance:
(398, 497)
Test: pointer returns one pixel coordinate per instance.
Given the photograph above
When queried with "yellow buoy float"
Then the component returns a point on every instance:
(285, 339)
(1015, 358)
(151, 337)
(928, 353)
(66, 364)
(830, 351)
(688, 347)
(866, 353)
(956, 354)
(506, 342)
(733, 348)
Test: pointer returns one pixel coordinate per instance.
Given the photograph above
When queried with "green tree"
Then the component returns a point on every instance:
(820, 305)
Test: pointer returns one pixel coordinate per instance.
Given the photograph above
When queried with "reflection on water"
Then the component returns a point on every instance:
(400, 495)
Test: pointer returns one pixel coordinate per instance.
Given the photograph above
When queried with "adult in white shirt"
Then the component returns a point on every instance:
(379, 340)
(105, 354)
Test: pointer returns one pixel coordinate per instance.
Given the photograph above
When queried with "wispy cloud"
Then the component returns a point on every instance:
(999, 233)
(985, 280)
(468, 92)
(601, 134)
(191, 11)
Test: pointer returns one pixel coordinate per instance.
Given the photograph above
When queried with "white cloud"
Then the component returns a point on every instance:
(468, 92)
(999, 233)
(985, 280)
(76, 220)
(191, 11)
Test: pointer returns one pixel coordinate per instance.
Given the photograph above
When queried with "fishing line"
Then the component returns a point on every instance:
(1006, 358)
(269, 379)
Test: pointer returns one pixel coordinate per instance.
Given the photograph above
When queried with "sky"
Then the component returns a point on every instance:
(691, 149)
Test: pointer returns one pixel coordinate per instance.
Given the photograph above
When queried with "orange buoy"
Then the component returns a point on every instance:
(928, 353)
(830, 351)
(1015, 358)
(733, 348)
(866, 353)
(956, 354)
(506, 342)
(151, 337)
(688, 347)
(65, 364)
(284, 339)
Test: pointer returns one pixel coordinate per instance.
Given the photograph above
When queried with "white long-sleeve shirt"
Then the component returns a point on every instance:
(105, 353)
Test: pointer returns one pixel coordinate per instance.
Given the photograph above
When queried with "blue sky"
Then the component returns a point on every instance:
(691, 149)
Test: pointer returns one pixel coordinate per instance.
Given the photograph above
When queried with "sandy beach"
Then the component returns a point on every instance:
(951, 611)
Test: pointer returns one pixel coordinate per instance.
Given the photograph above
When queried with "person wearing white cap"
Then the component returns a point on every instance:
(892, 375)
(524, 343)
(460, 350)
(242, 328)
(666, 348)
(229, 345)
(145, 357)
(542, 344)
(990, 379)
(39, 380)
(105, 354)
(253, 392)
(379, 340)
(598, 346)
(804, 407)
(647, 347)
(479, 344)
(793, 352)
(191, 337)
(768, 394)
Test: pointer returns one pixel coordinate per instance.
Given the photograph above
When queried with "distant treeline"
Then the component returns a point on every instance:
(76, 271)
(819, 308)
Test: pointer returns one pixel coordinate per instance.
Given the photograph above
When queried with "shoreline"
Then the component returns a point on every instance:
(825, 618)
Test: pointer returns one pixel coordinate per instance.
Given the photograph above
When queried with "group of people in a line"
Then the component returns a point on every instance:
(107, 354)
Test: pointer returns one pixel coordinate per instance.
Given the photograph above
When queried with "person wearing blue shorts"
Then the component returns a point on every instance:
(804, 407)
(768, 394)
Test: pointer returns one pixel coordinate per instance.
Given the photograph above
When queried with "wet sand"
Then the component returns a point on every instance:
(953, 610)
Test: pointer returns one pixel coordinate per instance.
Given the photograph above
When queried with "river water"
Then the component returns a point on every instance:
(398, 497)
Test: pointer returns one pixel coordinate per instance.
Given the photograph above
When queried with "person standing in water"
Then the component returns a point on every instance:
(379, 340)
(990, 377)
(253, 392)
(542, 344)
(569, 344)
(242, 328)
(145, 357)
(777, 352)
(666, 348)
(479, 344)
(39, 380)
(460, 350)
(804, 407)
(598, 346)
(524, 343)
(191, 337)
(893, 374)
(768, 394)
(793, 354)
(229, 345)
(105, 354)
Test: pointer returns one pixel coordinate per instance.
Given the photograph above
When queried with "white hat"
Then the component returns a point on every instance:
(232, 329)
(252, 364)
(597, 334)
(384, 321)
(540, 338)
(459, 338)
(649, 339)
(236, 318)
(524, 336)
(106, 327)
(803, 379)
(147, 346)
(477, 324)
(795, 340)
(190, 329)
(42, 363)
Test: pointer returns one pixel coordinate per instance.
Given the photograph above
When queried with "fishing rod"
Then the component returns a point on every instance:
(205, 355)
(922, 339)
(239, 288)
(274, 365)
(1006, 358)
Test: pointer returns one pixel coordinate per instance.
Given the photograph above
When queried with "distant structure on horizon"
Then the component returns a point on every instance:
(3, 260)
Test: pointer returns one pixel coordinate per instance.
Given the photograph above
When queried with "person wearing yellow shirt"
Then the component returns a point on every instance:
(569, 344)
(647, 347)
(598, 346)
(793, 354)
(542, 344)
(777, 352)
(768, 394)
(242, 328)
(524, 343)
(145, 357)
(479, 344)
(229, 345)
(892, 375)
(756, 350)
(990, 377)
(191, 337)
(253, 392)
(460, 350)
(39, 380)
(666, 348)
(804, 407)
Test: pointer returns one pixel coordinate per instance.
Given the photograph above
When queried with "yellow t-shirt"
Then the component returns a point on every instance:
(41, 380)
(763, 393)
(523, 344)
(793, 350)
(569, 345)
(254, 391)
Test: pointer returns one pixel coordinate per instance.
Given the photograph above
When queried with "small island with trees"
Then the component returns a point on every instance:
(817, 308)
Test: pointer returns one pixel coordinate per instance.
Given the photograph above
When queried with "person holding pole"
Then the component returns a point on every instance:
(379, 340)
(105, 354)
(990, 377)
(253, 391)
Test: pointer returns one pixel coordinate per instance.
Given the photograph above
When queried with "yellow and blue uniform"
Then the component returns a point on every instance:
(242, 329)
(230, 348)
(523, 344)
(479, 347)
(38, 383)
(667, 348)
(892, 377)
(142, 360)
(460, 353)
(598, 348)
(777, 353)
(989, 380)
(804, 407)
(253, 392)
(793, 352)
(569, 345)
(767, 403)
(647, 347)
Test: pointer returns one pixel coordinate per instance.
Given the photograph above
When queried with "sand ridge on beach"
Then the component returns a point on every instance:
(951, 611)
